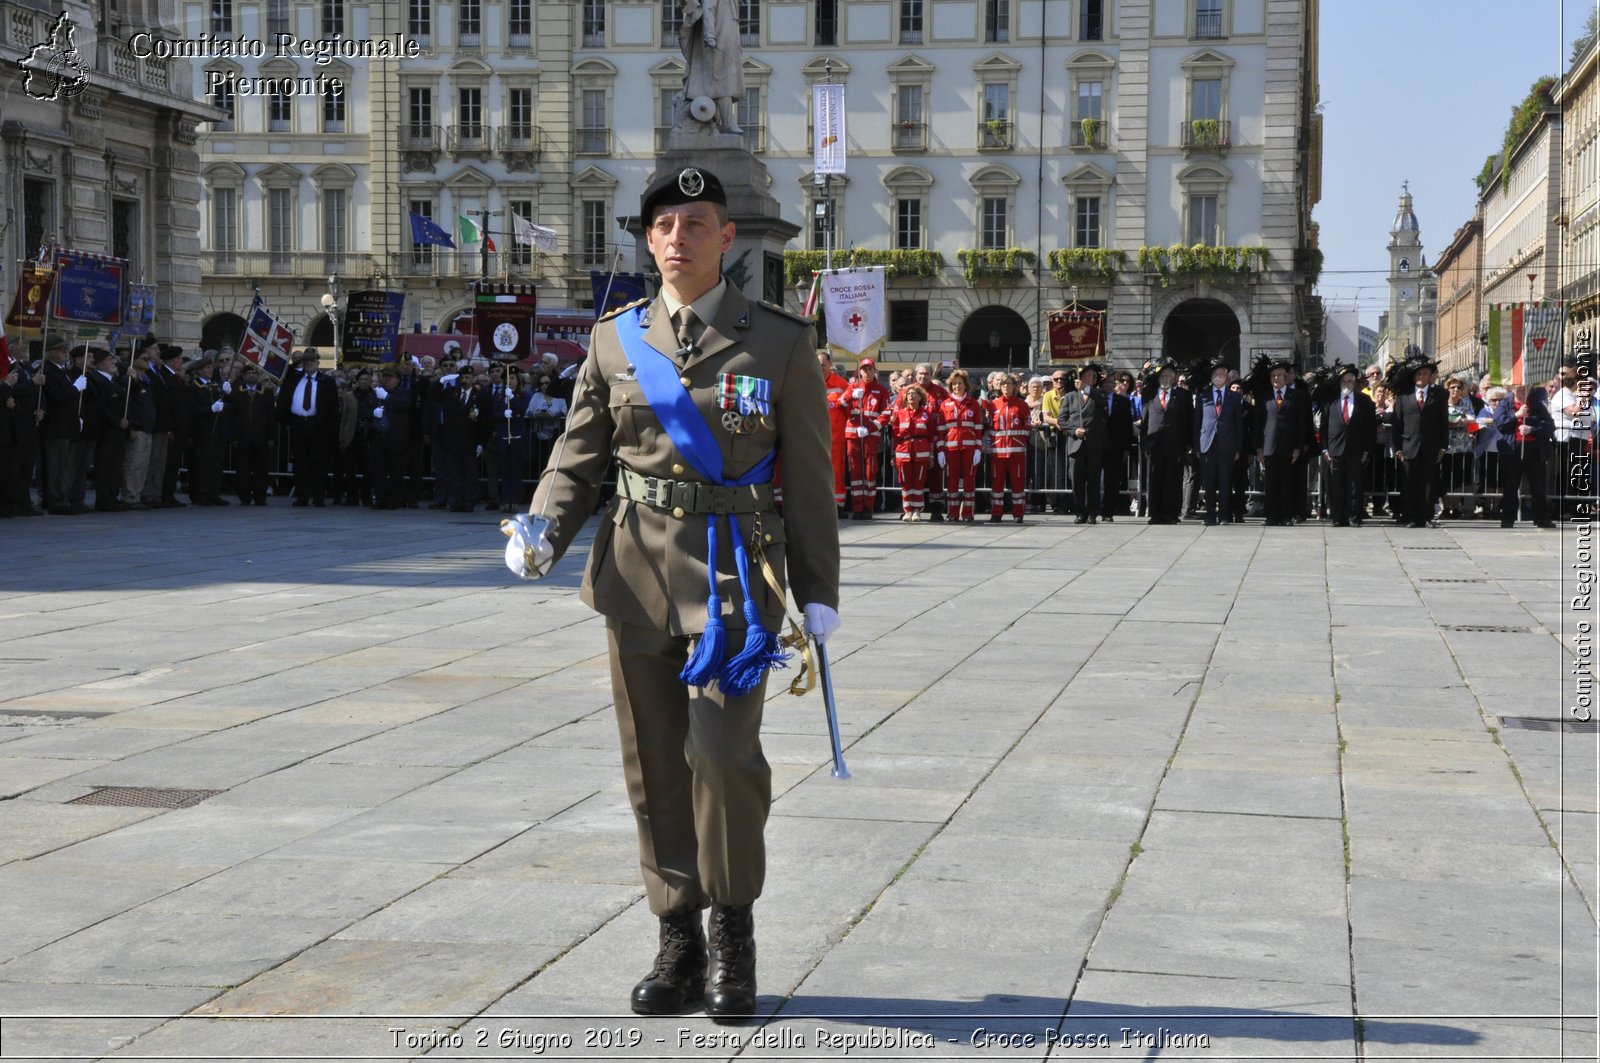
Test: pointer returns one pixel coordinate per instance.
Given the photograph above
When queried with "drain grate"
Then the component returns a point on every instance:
(1448, 579)
(144, 797)
(1486, 629)
(1542, 723)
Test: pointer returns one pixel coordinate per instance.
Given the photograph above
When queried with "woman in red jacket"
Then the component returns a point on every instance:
(915, 424)
(960, 445)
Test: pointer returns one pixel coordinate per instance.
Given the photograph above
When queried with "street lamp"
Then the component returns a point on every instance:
(330, 306)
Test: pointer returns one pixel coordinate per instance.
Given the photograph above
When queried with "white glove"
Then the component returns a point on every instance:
(377, 411)
(821, 621)
(448, 380)
(508, 413)
(227, 387)
(529, 554)
(382, 393)
(82, 383)
(479, 453)
(941, 459)
(216, 407)
(861, 431)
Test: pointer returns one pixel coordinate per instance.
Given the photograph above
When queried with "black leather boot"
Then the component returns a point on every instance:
(677, 981)
(731, 983)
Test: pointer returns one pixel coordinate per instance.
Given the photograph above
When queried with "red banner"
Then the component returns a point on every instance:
(1076, 335)
(505, 315)
(31, 300)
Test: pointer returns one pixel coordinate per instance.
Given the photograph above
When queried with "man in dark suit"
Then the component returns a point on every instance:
(1084, 422)
(308, 403)
(1349, 432)
(1166, 430)
(64, 458)
(252, 424)
(171, 433)
(208, 434)
(1285, 431)
(1119, 442)
(105, 403)
(1422, 415)
(1218, 435)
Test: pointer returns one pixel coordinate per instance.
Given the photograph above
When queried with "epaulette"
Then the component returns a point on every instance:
(637, 302)
(790, 314)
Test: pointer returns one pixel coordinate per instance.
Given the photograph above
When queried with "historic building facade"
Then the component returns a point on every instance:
(1161, 158)
(1459, 271)
(99, 146)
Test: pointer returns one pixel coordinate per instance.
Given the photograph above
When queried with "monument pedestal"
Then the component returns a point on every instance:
(755, 263)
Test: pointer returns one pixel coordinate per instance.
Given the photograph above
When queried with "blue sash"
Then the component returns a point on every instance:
(686, 426)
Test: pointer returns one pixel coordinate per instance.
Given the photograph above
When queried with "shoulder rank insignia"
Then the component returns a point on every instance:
(613, 313)
(790, 314)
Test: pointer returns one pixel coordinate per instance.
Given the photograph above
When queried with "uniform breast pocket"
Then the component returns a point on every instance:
(626, 412)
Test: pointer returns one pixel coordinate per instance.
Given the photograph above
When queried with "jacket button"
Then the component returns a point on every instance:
(685, 381)
(677, 470)
(677, 511)
(768, 537)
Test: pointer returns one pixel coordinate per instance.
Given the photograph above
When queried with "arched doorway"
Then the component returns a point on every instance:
(222, 330)
(1201, 330)
(320, 334)
(995, 336)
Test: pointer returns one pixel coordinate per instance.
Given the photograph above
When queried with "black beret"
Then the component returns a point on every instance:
(688, 185)
(169, 351)
(149, 340)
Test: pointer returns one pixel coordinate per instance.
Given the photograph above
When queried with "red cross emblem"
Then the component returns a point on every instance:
(855, 320)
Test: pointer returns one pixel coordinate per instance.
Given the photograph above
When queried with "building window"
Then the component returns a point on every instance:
(907, 224)
(1208, 19)
(996, 127)
(422, 254)
(421, 114)
(1091, 20)
(908, 320)
(519, 22)
(993, 231)
(225, 222)
(521, 253)
(419, 22)
(749, 22)
(671, 22)
(1088, 131)
(1205, 99)
(825, 30)
(280, 226)
(594, 23)
(277, 18)
(332, 18)
(593, 136)
(1204, 227)
(125, 228)
(755, 140)
(469, 114)
(223, 98)
(824, 224)
(1086, 222)
(333, 109)
(222, 18)
(594, 232)
(519, 112)
(666, 116)
(910, 126)
(280, 112)
(38, 213)
(997, 21)
(910, 21)
(469, 23)
(335, 242)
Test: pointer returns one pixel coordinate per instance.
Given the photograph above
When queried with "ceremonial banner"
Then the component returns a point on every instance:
(1525, 341)
(827, 104)
(535, 236)
(505, 320)
(266, 342)
(625, 288)
(31, 300)
(140, 313)
(853, 309)
(91, 288)
(372, 326)
(1076, 335)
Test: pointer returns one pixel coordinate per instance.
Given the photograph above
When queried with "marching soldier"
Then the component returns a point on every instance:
(697, 394)
(867, 407)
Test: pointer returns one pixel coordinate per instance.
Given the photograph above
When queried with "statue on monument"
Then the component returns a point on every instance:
(713, 60)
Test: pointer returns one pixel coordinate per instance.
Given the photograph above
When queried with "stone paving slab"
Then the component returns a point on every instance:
(1237, 783)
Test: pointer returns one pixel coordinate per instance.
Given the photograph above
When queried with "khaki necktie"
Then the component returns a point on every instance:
(687, 323)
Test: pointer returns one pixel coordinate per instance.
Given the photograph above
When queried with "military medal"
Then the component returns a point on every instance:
(746, 402)
(733, 422)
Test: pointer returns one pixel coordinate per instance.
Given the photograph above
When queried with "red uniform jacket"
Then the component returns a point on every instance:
(1009, 422)
(961, 421)
(914, 431)
(867, 405)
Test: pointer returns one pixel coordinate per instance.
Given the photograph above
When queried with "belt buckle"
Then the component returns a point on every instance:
(651, 490)
(682, 496)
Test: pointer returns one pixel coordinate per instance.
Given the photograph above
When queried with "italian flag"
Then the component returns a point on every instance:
(470, 234)
(1525, 341)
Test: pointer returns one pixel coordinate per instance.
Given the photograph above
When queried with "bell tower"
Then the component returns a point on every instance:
(1407, 323)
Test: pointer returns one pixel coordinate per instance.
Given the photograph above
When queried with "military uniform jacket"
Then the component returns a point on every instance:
(648, 567)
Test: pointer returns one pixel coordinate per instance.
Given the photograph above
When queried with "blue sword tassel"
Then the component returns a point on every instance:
(705, 663)
(762, 649)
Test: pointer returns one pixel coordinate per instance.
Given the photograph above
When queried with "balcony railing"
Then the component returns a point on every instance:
(1089, 133)
(519, 137)
(266, 263)
(593, 140)
(421, 137)
(461, 139)
(1207, 25)
(1205, 134)
(994, 133)
(910, 136)
(755, 139)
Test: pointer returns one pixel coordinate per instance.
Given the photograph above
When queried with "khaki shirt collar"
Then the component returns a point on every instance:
(705, 308)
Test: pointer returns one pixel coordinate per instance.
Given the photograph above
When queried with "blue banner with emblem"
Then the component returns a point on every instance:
(89, 288)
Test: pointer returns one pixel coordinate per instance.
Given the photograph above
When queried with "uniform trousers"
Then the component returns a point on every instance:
(961, 478)
(698, 781)
(110, 450)
(1007, 471)
(155, 467)
(912, 469)
(841, 479)
(310, 460)
(136, 465)
(250, 459)
(862, 455)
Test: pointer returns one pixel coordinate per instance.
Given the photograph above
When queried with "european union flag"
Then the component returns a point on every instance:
(424, 231)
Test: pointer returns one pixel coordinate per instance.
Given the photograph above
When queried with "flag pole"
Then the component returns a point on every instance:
(605, 300)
